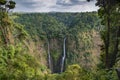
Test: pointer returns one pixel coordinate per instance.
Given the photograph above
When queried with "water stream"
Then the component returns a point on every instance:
(49, 57)
(64, 55)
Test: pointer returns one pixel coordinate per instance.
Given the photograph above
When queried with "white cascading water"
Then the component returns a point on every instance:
(64, 54)
(49, 57)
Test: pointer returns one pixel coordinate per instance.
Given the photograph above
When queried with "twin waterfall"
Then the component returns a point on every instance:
(64, 55)
(61, 60)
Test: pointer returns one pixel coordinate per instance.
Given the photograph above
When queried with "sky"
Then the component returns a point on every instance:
(55, 6)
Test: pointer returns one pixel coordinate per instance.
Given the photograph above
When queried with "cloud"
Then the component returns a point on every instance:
(26, 5)
(54, 5)
(76, 6)
(71, 2)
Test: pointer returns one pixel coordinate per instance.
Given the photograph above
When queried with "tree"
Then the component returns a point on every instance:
(107, 8)
(5, 23)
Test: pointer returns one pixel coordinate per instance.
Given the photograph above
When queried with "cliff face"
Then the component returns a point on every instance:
(61, 39)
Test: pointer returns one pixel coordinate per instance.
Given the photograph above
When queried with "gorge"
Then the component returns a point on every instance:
(66, 37)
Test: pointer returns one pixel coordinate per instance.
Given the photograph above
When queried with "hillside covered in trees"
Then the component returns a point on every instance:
(79, 29)
(60, 46)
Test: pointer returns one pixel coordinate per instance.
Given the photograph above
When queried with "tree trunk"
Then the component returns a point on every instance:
(116, 49)
(107, 43)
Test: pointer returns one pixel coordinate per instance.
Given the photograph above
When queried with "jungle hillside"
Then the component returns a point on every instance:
(60, 45)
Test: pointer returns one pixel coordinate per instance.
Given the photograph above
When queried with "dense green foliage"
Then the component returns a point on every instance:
(53, 27)
(18, 59)
(109, 13)
(79, 28)
(15, 64)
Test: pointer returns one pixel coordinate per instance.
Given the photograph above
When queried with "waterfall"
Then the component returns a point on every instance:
(49, 57)
(64, 55)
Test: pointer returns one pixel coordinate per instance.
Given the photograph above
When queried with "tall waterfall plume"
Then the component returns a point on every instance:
(49, 57)
(64, 55)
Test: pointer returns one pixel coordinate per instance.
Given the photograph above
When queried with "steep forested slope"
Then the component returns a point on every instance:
(15, 60)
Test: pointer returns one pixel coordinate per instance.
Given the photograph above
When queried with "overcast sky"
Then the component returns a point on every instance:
(55, 6)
